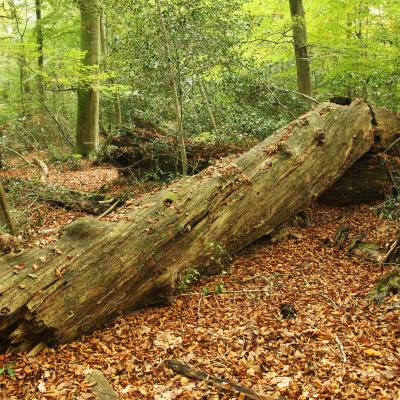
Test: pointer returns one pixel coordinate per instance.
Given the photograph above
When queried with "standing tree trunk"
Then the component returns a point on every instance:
(175, 94)
(99, 269)
(5, 214)
(207, 104)
(104, 51)
(39, 42)
(21, 29)
(301, 47)
(87, 133)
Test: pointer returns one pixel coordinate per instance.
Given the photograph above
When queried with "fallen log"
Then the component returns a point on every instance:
(371, 177)
(142, 151)
(368, 180)
(92, 203)
(98, 270)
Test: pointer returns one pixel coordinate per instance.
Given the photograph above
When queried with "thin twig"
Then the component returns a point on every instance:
(18, 154)
(109, 210)
(66, 137)
(341, 349)
(393, 144)
(297, 94)
(263, 290)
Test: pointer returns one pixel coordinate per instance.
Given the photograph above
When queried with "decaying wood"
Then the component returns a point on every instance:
(6, 217)
(101, 269)
(225, 385)
(144, 150)
(386, 251)
(371, 177)
(92, 203)
(387, 132)
(101, 387)
(388, 285)
(44, 170)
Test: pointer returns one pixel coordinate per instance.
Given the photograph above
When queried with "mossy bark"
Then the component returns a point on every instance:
(372, 177)
(87, 131)
(99, 270)
(301, 47)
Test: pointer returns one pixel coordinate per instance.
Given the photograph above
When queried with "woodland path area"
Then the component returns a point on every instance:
(339, 345)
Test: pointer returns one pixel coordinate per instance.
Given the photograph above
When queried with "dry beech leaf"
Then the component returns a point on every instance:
(372, 353)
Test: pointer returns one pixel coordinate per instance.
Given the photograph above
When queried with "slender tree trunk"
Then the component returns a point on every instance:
(207, 104)
(39, 42)
(117, 110)
(21, 59)
(175, 94)
(300, 47)
(5, 214)
(104, 51)
(87, 134)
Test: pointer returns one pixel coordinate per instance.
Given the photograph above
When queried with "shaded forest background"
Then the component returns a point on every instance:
(233, 61)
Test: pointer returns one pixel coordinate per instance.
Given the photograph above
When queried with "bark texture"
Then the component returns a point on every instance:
(301, 47)
(368, 180)
(6, 217)
(92, 203)
(87, 133)
(372, 177)
(98, 270)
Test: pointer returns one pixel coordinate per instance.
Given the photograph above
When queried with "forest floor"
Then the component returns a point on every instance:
(340, 345)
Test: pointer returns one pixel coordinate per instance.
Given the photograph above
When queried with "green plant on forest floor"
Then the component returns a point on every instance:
(8, 369)
(220, 259)
(188, 277)
(390, 208)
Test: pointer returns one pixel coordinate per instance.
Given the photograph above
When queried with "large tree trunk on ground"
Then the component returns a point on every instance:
(372, 177)
(369, 179)
(98, 270)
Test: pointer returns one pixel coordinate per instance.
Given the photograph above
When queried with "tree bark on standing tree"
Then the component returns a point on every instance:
(300, 44)
(87, 132)
(39, 43)
(104, 52)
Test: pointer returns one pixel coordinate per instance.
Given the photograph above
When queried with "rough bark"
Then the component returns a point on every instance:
(368, 180)
(372, 177)
(98, 270)
(301, 47)
(387, 132)
(92, 203)
(6, 218)
(87, 131)
(39, 42)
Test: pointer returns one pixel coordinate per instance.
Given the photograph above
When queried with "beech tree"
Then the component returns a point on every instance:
(301, 47)
(87, 131)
